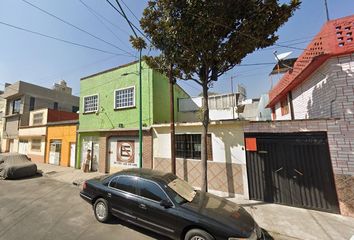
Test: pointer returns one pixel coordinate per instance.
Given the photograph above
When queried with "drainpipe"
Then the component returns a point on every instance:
(291, 106)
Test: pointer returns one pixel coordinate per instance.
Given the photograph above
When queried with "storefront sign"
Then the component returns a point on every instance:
(125, 152)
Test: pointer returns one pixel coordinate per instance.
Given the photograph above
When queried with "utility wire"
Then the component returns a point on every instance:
(101, 21)
(108, 21)
(129, 21)
(126, 18)
(59, 39)
(72, 25)
(130, 11)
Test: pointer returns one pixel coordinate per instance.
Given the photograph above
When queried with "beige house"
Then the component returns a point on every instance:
(32, 138)
(21, 98)
(226, 155)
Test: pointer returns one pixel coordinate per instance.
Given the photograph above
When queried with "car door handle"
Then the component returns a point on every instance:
(142, 206)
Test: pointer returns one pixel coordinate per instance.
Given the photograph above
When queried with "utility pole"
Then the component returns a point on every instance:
(172, 121)
(327, 13)
(140, 164)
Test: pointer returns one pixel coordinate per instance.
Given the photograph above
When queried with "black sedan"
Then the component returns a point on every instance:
(166, 204)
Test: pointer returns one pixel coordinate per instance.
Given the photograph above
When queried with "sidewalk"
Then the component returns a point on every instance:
(282, 222)
(66, 174)
(299, 223)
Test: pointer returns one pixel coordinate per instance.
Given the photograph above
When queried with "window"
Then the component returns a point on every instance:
(36, 145)
(189, 146)
(284, 104)
(124, 98)
(126, 184)
(56, 106)
(32, 102)
(37, 119)
(16, 105)
(151, 191)
(90, 104)
(74, 109)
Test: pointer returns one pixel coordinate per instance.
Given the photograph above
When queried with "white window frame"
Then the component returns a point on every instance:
(115, 98)
(33, 118)
(98, 103)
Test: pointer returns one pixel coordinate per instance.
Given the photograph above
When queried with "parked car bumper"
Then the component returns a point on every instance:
(85, 197)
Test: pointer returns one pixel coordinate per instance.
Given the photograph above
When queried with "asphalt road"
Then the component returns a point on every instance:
(41, 208)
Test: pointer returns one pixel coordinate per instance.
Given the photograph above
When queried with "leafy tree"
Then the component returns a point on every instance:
(200, 40)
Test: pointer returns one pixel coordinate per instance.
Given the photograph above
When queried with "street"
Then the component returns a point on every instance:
(42, 208)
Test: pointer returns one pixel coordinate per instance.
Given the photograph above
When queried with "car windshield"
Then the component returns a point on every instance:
(184, 191)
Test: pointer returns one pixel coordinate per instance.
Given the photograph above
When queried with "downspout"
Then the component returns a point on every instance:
(76, 144)
(291, 106)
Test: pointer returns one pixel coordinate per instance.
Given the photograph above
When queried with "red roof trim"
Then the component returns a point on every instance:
(334, 39)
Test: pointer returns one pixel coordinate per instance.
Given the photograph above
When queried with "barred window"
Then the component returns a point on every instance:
(189, 146)
(36, 144)
(91, 103)
(125, 98)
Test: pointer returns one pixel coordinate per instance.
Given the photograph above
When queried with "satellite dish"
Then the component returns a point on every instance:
(279, 57)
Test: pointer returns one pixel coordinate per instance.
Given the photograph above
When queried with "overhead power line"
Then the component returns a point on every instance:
(130, 11)
(76, 27)
(59, 39)
(98, 17)
(136, 28)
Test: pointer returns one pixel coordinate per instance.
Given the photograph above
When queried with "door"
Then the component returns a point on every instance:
(293, 169)
(11, 146)
(150, 213)
(55, 152)
(72, 154)
(122, 197)
(23, 147)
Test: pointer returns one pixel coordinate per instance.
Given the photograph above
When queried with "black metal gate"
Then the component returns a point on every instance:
(292, 169)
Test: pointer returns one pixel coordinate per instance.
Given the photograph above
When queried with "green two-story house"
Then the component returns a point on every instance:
(109, 116)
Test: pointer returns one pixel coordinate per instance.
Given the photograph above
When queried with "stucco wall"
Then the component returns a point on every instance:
(105, 85)
(227, 141)
(67, 135)
(227, 171)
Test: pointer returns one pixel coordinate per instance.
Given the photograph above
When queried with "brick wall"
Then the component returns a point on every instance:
(327, 93)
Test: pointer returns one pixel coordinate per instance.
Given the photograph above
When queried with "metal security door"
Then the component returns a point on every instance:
(292, 169)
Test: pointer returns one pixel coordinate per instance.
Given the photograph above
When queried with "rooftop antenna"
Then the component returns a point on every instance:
(280, 57)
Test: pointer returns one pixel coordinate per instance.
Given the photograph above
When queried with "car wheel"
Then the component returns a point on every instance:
(101, 210)
(198, 234)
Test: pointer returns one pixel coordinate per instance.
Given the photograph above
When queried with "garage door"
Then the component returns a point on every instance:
(291, 168)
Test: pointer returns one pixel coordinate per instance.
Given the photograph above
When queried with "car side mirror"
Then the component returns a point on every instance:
(166, 204)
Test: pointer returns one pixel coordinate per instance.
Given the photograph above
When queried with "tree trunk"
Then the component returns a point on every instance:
(204, 150)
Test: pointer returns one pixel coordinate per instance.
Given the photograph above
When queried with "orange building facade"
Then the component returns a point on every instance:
(61, 143)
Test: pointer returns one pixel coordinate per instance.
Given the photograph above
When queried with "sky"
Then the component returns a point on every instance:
(39, 60)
